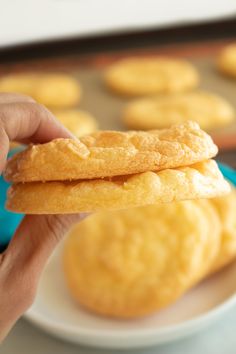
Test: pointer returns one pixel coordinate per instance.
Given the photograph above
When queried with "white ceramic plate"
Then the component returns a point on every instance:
(55, 312)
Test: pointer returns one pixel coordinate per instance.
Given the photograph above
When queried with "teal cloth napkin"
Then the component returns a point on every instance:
(8, 221)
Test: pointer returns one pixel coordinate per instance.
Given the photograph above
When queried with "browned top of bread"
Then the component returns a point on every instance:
(112, 153)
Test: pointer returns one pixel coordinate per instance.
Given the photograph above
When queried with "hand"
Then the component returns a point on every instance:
(23, 120)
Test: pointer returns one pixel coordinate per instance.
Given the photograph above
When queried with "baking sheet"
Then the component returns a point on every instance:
(107, 107)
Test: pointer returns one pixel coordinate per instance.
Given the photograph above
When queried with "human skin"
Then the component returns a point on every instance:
(21, 264)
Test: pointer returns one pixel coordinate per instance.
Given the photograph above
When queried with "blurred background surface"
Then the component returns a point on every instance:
(55, 19)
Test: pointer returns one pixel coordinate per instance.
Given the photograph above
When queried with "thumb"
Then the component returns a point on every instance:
(35, 240)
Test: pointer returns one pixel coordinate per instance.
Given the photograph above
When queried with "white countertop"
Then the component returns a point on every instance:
(25, 21)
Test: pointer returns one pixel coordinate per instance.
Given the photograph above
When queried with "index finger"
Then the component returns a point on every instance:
(27, 122)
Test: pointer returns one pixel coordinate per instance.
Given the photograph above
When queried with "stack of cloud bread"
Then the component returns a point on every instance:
(134, 262)
(110, 170)
(165, 83)
(60, 92)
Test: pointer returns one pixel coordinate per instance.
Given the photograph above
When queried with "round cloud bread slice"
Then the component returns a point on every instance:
(111, 153)
(202, 180)
(145, 76)
(134, 262)
(207, 109)
(227, 60)
(51, 89)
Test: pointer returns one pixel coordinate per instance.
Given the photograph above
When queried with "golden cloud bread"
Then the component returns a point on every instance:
(77, 121)
(207, 109)
(226, 208)
(202, 180)
(146, 76)
(132, 263)
(227, 60)
(50, 89)
(111, 153)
